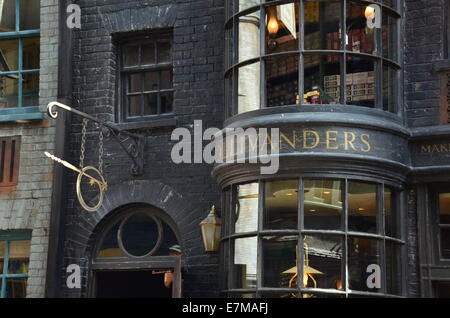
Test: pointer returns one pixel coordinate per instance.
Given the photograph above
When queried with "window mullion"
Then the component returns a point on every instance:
(5, 269)
(20, 80)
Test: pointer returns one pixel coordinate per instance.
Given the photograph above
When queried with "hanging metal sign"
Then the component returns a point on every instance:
(95, 175)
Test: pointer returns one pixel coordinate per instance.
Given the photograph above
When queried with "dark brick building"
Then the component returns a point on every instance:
(360, 204)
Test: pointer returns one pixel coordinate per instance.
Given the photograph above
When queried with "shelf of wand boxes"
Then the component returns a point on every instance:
(359, 86)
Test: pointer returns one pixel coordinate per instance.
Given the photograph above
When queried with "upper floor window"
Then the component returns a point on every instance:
(312, 52)
(14, 262)
(9, 161)
(146, 78)
(19, 54)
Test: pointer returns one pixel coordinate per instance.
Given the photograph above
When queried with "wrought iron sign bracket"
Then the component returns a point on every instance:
(132, 144)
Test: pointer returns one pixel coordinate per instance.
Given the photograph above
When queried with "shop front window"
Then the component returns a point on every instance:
(311, 238)
(312, 52)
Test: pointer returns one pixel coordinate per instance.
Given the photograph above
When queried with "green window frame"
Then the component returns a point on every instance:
(20, 112)
(7, 237)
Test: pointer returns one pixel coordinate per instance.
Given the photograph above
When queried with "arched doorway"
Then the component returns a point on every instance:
(137, 255)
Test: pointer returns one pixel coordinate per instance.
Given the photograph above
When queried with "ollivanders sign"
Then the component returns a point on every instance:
(265, 145)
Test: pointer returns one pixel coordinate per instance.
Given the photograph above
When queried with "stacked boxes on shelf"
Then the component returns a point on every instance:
(359, 86)
(312, 12)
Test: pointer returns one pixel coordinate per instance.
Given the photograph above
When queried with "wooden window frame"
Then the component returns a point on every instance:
(9, 161)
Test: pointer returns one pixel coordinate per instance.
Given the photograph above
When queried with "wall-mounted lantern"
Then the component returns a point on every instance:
(211, 231)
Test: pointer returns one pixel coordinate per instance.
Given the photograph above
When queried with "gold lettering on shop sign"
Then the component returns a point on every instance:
(331, 139)
(305, 139)
(349, 141)
(435, 148)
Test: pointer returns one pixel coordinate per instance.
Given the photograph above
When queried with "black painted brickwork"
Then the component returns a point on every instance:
(198, 49)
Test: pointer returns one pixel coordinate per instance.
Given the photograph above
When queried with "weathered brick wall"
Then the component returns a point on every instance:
(198, 49)
(424, 37)
(28, 206)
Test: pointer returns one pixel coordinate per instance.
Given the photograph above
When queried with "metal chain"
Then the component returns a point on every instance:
(83, 142)
(100, 150)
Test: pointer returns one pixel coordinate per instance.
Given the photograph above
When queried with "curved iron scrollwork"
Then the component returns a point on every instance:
(132, 144)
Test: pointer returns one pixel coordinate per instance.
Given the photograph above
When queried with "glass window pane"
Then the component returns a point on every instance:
(389, 37)
(2, 256)
(359, 36)
(323, 262)
(363, 256)
(247, 208)
(131, 55)
(148, 54)
(249, 36)
(229, 47)
(445, 242)
(31, 53)
(282, 28)
(282, 81)
(279, 261)
(8, 16)
(164, 52)
(244, 267)
(323, 204)
(390, 89)
(244, 4)
(249, 88)
(166, 79)
(9, 90)
(151, 104)
(135, 83)
(169, 245)
(110, 245)
(393, 270)
(444, 208)
(362, 207)
(30, 89)
(16, 288)
(30, 14)
(139, 234)
(9, 55)
(19, 257)
(322, 25)
(135, 103)
(281, 204)
(151, 81)
(360, 81)
(391, 212)
(166, 102)
(322, 79)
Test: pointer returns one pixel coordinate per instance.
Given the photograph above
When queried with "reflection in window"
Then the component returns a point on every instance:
(390, 86)
(282, 81)
(323, 204)
(279, 261)
(363, 253)
(247, 208)
(281, 204)
(248, 88)
(323, 262)
(359, 37)
(362, 207)
(393, 271)
(389, 37)
(360, 81)
(245, 4)
(21, 53)
(391, 218)
(444, 224)
(249, 36)
(244, 265)
(14, 265)
(322, 25)
(282, 28)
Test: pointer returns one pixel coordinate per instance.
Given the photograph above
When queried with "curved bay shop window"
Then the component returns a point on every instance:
(312, 238)
(146, 78)
(19, 58)
(312, 52)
